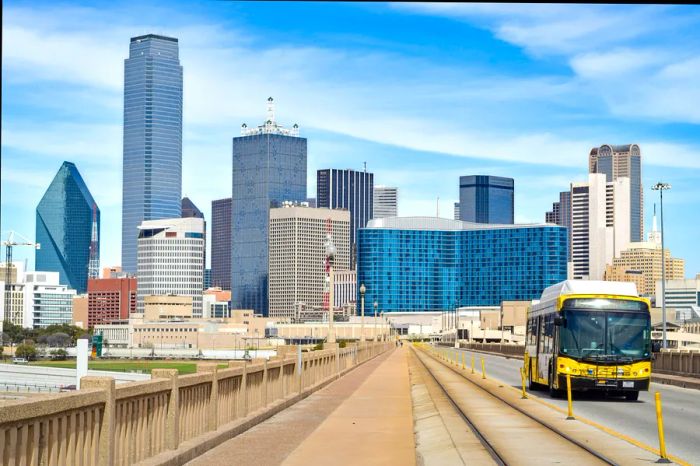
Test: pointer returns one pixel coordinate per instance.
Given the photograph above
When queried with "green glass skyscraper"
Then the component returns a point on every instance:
(64, 223)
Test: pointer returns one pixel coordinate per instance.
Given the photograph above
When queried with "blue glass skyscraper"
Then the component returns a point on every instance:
(269, 167)
(64, 220)
(435, 264)
(152, 172)
(486, 199)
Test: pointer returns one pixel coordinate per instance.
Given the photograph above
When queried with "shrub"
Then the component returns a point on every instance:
(26, 351)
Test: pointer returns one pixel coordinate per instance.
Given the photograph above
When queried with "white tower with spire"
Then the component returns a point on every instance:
(654, 236)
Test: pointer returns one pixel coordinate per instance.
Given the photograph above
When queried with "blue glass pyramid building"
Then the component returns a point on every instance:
(64, 220)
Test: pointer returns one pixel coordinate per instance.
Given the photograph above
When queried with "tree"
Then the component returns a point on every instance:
(26, 351)
(59, 354)
(58, 339)
(16, 333)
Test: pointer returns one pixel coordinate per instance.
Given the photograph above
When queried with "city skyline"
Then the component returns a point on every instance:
(346, 128)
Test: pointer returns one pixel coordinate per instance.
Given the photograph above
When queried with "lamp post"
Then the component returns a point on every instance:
(661, 187)
(362, 307)
(381, 316)
(375, 321)
(456, 326)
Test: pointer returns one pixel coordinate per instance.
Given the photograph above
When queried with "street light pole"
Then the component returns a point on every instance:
(456, 327)
(375, 321)
(661, 187)
(362, 306)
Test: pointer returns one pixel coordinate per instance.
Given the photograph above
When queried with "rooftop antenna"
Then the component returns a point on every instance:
(270, 110)
(365, 166)
(437, 207)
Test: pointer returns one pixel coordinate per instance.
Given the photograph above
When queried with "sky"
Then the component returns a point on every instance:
(422, 93)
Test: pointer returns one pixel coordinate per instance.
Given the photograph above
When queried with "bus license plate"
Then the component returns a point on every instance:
(627, 384)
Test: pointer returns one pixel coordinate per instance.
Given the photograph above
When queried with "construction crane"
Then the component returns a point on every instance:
(9, 244)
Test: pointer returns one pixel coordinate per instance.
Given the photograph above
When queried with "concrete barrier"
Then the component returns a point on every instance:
(170, 417)
(677, 362)
(682, 363)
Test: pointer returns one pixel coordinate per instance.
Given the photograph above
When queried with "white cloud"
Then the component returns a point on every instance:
(391, 99)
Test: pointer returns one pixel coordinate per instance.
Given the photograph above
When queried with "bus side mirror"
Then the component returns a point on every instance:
(558, 321)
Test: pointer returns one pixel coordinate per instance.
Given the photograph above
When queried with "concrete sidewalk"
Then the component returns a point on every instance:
(365, 417)
(373, 426)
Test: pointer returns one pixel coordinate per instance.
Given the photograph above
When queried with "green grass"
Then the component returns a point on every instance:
(183, 367)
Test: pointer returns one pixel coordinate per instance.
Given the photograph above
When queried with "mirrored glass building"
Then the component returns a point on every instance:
(152, 170)
(486, 199)
(64, 224)
(436, 264)
(269, 167)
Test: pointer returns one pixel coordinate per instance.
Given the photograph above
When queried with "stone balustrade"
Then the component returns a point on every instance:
(161, 420)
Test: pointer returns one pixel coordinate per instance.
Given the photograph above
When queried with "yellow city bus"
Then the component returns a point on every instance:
(597, 332)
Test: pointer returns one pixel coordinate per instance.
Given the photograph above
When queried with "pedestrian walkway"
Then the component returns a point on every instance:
(365, 417)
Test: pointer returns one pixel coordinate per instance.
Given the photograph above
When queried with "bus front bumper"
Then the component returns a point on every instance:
(588, 383)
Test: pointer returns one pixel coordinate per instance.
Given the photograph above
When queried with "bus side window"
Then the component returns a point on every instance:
(548, 332)
(532, 331)
(540, 335)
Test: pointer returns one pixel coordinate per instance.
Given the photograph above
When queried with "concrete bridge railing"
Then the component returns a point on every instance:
(108, 424)
(672, 362)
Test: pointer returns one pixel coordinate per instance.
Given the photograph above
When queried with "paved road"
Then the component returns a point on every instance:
(33, 377)
(681, 408)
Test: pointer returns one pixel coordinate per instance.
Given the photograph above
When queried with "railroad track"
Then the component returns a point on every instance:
(522, 432)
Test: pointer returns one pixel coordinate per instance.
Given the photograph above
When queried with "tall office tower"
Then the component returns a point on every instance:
(438, 264)
(561, 214)
(347, 189)
(64, 224)
(455, 215)
(600, 213)
(170, 253)
(618, 162)
(385, 202)
(269, 167)
(152, 172)
(221, 243)
(297, 255)
(486, 199)
(110, 299)
(311, 201)
(189, 210)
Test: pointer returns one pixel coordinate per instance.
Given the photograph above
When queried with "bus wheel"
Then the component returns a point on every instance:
(632, 396)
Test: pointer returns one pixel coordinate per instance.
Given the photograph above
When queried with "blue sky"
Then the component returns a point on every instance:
(423, 93)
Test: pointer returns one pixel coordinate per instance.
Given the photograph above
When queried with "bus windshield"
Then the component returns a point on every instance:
(605, 335)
